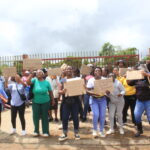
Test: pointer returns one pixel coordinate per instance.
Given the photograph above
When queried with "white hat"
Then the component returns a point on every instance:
(90, 65)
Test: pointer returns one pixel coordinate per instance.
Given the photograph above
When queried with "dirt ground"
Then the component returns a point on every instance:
(111, 142)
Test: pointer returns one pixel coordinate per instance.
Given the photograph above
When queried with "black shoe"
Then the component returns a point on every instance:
(56, 120)
(50, 119)
(139, 129)
(83, 119)
(138, 133)
(70, 119)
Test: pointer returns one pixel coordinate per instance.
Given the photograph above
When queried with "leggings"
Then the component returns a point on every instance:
(21, 111)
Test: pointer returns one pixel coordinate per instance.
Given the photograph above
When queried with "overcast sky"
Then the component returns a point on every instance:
(38, 26)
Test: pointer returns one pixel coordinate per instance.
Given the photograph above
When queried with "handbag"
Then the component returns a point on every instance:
(22, 96)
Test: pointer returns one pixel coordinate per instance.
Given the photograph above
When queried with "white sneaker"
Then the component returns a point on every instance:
(63, 137)
(102, 134)
(35, 134)
(45, 135)
(121, 131)
(110, 131)
(13, 131)
(94, 134)
(23, 132)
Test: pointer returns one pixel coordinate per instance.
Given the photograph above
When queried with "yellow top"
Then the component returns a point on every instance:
(129, 90)
(120, 78)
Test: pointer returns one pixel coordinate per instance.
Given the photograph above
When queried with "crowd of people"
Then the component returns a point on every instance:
(45, 91)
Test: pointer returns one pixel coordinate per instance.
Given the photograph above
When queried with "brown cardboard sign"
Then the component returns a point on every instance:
(102, 85)
(9, 71)
(85, 70)
(75, 87)
(55, 71)
(32, 64)
(123, 71)
(134, 75)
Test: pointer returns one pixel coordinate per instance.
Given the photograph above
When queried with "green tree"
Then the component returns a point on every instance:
(73, 62)
(107, 50)
(146, 58)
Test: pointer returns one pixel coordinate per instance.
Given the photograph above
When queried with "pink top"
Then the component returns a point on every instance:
(88, 77)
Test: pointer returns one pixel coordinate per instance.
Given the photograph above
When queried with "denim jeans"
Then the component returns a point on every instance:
(140, 107)
(86, 105)
(98, 107)
(74, 111)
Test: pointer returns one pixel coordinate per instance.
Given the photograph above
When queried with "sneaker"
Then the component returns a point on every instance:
(35, 134)
(50, 119)
(63, 137)
(95, 134)
(83, 119)
(13, 131)
(23, 132)
(102, 134)
(121, 131)
(56, 120)
(77, 137)
(45, 135)
(110, 131)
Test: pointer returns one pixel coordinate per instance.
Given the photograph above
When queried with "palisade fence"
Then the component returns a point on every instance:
(75, 59)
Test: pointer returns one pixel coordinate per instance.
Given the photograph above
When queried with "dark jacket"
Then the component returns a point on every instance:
(142, 89)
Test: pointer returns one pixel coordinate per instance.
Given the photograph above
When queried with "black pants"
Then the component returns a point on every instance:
(67, 111)
(21, 111)
(130, 101)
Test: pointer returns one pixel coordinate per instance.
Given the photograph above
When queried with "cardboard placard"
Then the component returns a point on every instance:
(32, 64)
(100, 86)
(123, 71)
(9, 71)
(134, 75)
(63, 66)
(85, 70)
(75, 87)
(55, 71)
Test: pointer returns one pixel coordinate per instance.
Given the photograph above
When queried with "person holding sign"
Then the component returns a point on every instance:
(3, 99)
(98, 103)
(116, 105)
(70, 105)
(42, 92)
(142, 102)
(17, 88)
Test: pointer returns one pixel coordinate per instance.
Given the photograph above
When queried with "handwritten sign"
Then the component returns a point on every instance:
(32, 64)
(75, 87)
(85, 70)
(9, 72)
(63, 66)
(54, 71)
(100, 86)
(134, 75)
(123, 71)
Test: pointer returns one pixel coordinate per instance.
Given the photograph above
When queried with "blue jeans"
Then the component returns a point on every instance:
(140, 107)
(98, 107)
(86, 105)
(74, 111)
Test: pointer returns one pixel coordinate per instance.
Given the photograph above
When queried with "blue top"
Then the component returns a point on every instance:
(2, 92)
(15, 97)
(2, 81)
